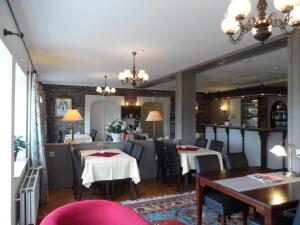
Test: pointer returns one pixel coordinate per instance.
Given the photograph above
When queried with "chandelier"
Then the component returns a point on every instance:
(106, 89)
(133, 77)
(261, 27)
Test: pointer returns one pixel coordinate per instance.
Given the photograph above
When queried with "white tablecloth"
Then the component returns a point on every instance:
(78, 138)
(187, 158)
(120, 166)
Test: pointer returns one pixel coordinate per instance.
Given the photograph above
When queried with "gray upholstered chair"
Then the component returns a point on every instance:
(236, 161)
(201, 142)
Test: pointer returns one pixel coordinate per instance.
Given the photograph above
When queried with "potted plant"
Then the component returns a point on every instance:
(117, 128)
(20, 145)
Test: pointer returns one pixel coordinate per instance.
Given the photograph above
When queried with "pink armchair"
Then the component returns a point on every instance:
(94, 212)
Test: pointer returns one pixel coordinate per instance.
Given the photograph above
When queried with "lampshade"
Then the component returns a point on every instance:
(72, 115)
(230, 25)
(278, 150)
(283, 5)
(154, 116)
(295, 16)
(239, 8)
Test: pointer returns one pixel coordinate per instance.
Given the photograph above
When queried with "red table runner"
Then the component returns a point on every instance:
(105, 154)
(188, 149)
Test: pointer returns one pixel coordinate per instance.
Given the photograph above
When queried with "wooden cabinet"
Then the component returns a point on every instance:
(254, 112)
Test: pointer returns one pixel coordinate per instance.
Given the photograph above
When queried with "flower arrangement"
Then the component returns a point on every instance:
(117, 126)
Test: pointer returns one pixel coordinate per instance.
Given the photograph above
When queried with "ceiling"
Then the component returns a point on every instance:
(78, 42)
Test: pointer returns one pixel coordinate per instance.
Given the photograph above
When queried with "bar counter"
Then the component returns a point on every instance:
(255, 142)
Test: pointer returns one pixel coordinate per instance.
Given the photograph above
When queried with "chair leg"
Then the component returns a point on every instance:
(91, 192)
(158, 171)
(223, 220)
(136, 190)
(107, 190)
(245, 217)
(178, 179)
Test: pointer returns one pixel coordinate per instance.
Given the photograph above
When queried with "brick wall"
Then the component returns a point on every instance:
(77, 94)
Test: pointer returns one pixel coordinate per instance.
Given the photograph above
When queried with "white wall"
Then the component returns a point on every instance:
(165, 101)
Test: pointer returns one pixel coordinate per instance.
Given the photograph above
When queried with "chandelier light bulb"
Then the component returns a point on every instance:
(128, 74)
(296, 2)
(230, 25)
(113, 90)
(142, 74)
(107, 89)
(146, 77)
(99, 89)
(122, 76)
(239, 8)
(295, 16)
(284, 6)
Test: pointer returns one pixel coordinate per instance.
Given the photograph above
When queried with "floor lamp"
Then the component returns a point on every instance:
(154, 116)
(72, 115)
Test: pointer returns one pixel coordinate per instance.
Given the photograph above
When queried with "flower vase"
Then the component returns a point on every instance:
(116, 136)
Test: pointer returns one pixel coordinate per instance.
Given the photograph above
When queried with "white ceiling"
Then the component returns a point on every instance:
(78, 42)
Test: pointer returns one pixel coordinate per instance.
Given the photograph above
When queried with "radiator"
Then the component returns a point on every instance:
(30, 197)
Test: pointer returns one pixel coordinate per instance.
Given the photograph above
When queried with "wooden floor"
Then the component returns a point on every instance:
(147, 188)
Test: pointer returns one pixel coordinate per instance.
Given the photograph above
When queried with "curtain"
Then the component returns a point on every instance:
(37, 144)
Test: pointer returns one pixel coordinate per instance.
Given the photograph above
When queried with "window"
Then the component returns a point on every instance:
(6, 134)
(20, 106)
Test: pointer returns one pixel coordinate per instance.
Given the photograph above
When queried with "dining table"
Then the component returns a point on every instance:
(109, 165)
(269, 199)
(187, 154)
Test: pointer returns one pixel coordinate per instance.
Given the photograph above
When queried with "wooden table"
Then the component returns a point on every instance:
(270, 201)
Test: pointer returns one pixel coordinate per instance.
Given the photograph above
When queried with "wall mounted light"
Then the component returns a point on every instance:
(224, 108)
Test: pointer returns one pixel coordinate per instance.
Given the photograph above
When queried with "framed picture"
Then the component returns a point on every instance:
(62, 105)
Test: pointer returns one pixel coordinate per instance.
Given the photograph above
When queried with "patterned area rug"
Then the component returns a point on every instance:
(176, 210)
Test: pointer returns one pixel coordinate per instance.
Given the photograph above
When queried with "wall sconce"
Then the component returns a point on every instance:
(137, 104)
(127, 103)
(224, 108)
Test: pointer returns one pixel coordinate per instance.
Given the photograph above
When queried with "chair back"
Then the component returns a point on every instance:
(174, 161)
(161, 152)
(297, 216)
(93, 134)
(76, 165)
(128, 147)
(108, 138)
(137, 152)
(216, 145)
(236, 161)
(60, 136)
(207, 163)
(201, 142)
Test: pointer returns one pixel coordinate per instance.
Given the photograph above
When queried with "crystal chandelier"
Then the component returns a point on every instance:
(132, 77)
(106, 89)
(261, 27)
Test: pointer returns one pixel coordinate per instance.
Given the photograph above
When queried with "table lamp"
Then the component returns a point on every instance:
(154, 116)
(72, 115)
(280, 151)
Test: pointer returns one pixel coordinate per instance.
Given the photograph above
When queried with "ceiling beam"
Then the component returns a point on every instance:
(259, 48)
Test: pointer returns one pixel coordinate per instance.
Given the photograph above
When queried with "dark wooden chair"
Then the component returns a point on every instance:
(128, 147)
(137, 152)
(290, 217)
(93, 134)
(77, 181)
(220, 203)
(162, 160)
(216, 145)
(201, 142)
(174, 165)
(235, 161)
(61, 136)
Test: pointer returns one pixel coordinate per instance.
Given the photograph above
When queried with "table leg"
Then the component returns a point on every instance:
(271, 216)
(199, 201)
(132, 190)
(186, 181)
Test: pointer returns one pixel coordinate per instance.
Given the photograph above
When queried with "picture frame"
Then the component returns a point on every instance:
(62, 105)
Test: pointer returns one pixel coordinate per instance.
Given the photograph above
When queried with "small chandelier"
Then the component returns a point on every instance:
(133, 78)
(106, 89)
(261, 27)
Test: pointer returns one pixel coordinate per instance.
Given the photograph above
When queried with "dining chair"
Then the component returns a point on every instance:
(162, 159)
(174, 165)
(137, 152)
(108, 138)
(216, 145)
(128, 147)
(201, 142)
(93, 134)
(60, 136)
(236, 161)
(94, 212)
(220, 203)
(77, 181)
